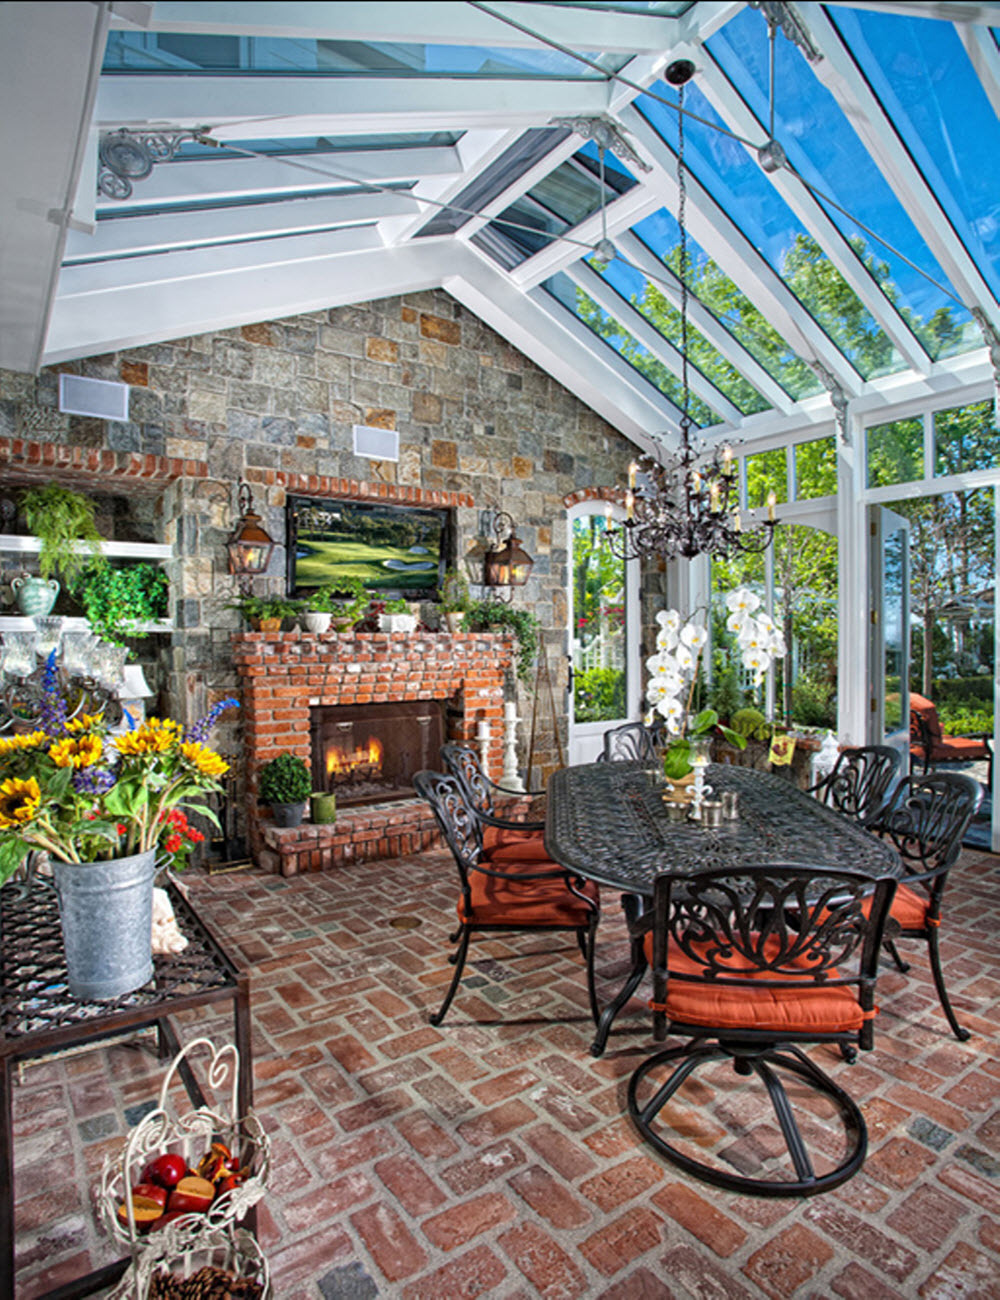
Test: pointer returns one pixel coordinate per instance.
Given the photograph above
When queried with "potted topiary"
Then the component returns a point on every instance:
(454, 599)
(61, 519)
(352, 605)
(286, 784)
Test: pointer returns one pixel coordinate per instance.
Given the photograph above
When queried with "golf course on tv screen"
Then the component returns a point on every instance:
(392, 549)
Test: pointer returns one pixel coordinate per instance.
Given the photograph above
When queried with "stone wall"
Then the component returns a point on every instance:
(277, 400)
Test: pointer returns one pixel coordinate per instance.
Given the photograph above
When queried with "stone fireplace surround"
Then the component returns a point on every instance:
(284, 674)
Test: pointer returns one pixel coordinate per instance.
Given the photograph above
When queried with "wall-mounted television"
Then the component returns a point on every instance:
(394, 550)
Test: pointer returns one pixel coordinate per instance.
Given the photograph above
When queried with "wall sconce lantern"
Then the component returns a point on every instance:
(506, 565)
(250, 547)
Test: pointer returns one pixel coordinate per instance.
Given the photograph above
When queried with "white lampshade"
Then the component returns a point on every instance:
(134, 686)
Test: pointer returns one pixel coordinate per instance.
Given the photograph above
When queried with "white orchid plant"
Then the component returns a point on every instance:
(673, 672)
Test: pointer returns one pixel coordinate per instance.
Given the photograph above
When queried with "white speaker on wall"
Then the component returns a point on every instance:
(99, 397)
(376, 444)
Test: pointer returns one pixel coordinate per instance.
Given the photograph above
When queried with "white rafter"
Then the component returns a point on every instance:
(595, 287)
(981, 47)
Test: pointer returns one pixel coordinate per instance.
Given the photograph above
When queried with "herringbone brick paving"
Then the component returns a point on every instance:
(491, 1157)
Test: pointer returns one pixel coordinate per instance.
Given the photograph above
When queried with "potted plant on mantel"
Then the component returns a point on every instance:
(61, 519)
(266, 613)
(286, 784)
(396, 616)
(454, 599)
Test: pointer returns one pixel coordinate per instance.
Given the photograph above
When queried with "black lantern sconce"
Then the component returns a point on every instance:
(250, 547)
(506, 565)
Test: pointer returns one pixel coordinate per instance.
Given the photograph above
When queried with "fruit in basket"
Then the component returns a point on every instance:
(192, 1195)
(145, 1211)
(167, 1170)
(217, 1163)
(152, 1192)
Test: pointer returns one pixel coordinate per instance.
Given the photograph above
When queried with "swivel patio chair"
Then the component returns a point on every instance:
(860, 782)
(528, 894)
(930, 745)
(631, 741)
(503, 837)
(926, 820)
(749, 965)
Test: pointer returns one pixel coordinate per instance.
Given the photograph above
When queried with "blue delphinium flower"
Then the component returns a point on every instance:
(53, 702)
(93, 780)
(199, 731)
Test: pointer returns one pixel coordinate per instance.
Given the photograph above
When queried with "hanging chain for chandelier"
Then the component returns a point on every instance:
(687, 503)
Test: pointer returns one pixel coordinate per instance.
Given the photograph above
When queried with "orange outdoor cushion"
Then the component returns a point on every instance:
(503, 846)
(943, 748)
(811, 1009)
(909, 908)
(510, 901)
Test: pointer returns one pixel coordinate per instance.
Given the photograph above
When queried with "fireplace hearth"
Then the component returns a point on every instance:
(368, 753)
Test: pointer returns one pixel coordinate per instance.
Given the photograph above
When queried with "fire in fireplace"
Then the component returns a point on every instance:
(368, 753)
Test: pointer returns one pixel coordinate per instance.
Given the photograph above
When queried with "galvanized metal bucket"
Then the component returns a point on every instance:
(106, 909)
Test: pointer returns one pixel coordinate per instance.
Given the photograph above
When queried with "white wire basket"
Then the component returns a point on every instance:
(225, 1261)
(189, 1135)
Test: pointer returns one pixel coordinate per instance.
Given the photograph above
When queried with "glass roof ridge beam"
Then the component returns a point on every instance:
(635, 252)
(342, 105)
(725, 243)
(606, 297)
(207, 178)
(146, 233)
(729, 104)
(402, 21)
(579, 241)
(845, 80)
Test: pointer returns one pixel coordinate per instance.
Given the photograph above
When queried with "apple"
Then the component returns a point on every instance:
(228, 1183)
(192, 1195)
(164, 1219)
(167, 1170)
(145, 1212)
(151, 1192)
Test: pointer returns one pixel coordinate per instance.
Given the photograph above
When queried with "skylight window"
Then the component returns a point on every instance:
(616, 336)
(743, 191)
(833, 159)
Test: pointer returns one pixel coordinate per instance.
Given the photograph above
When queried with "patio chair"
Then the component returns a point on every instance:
(749, 965)
(632, 741)
(503, 837)
(860, 782)
(926, 820)
(528, 894)
(930, 745)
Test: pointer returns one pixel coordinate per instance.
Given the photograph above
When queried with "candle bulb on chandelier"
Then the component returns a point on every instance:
(772, 501)
(737, 522)
(696, 480)
(607, 515)
(713, 496)
(633, 469)
(629, 504)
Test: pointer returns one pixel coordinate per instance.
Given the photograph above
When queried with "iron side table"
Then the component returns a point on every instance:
(37, 1016)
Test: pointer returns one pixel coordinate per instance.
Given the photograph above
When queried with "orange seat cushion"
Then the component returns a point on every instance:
(509, 901)
(811, 1009)
(909, 908)
(502, 846)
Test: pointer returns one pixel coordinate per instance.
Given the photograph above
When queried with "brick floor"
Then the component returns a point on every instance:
(491, 1157)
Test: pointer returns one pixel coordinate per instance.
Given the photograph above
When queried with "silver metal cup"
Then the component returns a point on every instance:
(711, 813)
(730, 805)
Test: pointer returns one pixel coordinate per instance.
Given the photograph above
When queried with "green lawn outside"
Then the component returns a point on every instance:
(359, 560)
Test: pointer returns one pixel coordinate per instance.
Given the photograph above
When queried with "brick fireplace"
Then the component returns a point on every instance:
(286, 677)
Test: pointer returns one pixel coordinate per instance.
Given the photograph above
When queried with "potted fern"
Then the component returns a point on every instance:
(286, 784)
(60, 519)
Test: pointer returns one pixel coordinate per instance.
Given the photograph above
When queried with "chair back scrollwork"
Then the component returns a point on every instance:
(926, 821)
(463, 764)
(458, 821)
(860, 782)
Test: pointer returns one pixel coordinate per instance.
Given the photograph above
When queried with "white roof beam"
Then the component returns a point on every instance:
(949, 11)
(146, 234)
(838, 71)
(635, 252)
(340, 105)
(228, 178)
(730, 249)
(724, 97)
(985, 58)
(232, 294)
(437, 23)
(586, 278)
(579, 241)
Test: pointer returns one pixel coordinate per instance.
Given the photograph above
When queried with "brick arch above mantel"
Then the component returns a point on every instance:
(87, 467)
(614, 495)
(356, 489)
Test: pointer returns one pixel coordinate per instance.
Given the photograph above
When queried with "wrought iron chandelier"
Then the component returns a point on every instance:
(688, 502)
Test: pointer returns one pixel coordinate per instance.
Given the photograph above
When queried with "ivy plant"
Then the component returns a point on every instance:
(118, 602)
(493, 616)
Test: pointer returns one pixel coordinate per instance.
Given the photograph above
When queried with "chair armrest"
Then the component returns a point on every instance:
(509, 823)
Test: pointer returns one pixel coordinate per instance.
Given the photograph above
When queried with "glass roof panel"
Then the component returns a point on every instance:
(743, 191)
(921, 74)
(191, 149)
(661, 8)
(616, 336)
(823, 148)
(187, 53)
(652, 303)
(715, 291)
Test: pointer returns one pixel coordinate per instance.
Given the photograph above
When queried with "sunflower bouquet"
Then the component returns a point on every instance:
(84, 794)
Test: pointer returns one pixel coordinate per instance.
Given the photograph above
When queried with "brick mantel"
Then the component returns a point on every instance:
(283, 675)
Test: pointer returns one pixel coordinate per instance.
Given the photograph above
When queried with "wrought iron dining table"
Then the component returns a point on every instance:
(608, 822)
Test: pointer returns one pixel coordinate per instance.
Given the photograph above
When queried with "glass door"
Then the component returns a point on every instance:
(603, 608)
(889, 569)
